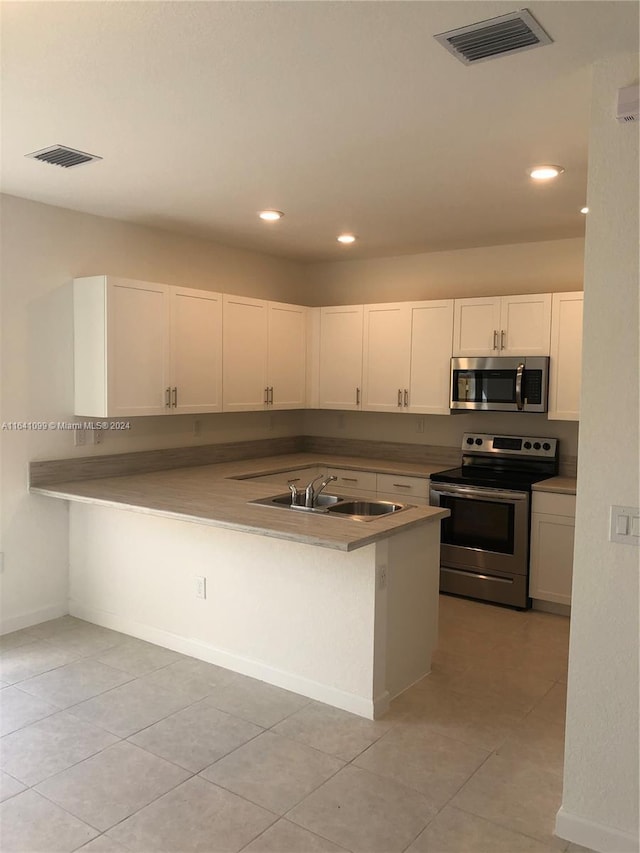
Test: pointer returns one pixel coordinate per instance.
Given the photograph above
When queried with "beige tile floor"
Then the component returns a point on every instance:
(112, 744)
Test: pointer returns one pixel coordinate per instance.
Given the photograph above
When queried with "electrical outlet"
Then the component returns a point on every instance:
(382, 578)
(201, 587)
(97, 436)
(420, 425)
(79, 437)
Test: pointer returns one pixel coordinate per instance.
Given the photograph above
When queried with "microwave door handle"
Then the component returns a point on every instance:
(519, 374)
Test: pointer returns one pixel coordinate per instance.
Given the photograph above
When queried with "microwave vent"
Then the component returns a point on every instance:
(61, 155)
(494, 37)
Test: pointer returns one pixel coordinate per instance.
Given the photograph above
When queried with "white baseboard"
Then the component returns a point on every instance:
(369, 708)
(26, 620)
(596, 836)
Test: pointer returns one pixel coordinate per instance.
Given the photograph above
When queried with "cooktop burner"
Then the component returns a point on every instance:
(491, 479)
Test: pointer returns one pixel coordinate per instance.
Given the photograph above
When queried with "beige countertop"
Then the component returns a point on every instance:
(216, 495)
(560, 485)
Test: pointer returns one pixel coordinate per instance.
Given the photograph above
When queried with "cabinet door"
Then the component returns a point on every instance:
(386, 352)
(244, 354)
(196, 351)
(476, 327)
(287, 356)
(340, 381)
(551, 557)
(525, 325)
(565, 368)
(431, 340)
(137, 348)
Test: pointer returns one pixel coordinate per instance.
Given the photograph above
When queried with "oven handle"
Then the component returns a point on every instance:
(476, 575)
(519, 373)
(487, 494)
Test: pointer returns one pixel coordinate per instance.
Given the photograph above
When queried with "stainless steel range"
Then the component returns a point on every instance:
(485, 541)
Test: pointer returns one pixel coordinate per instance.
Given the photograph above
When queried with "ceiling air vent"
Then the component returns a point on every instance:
(510, 33)
(60, 155)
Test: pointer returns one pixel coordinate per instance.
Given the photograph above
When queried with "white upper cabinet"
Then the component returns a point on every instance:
(340, 370)
(431, 341)
(286, 360)
(525, 324)
(407, 352)
(244, 355)
(264, 355)
(386, 356)
(145, 349)
(566, 356)
(196, 351)
(502, 326)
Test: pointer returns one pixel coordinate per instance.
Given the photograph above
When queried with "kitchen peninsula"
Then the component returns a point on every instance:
(340, 610)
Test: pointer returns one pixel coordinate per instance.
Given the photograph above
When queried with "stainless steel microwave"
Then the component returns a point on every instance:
(500, 384)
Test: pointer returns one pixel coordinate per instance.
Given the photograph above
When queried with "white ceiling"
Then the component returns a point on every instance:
(346, 115)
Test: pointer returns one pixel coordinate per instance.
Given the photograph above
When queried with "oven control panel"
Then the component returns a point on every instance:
(510, 445)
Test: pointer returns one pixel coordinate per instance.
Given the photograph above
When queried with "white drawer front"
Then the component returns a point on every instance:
(394, 484)
(552, 503)
(347, 479)
(299, 476)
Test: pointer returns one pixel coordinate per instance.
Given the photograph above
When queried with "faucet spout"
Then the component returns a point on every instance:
(311, 492)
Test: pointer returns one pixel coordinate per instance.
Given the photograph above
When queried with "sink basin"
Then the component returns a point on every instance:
(321, 501)
(347, 507)
(366, 509)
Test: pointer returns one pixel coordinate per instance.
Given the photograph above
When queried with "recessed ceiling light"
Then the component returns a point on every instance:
(545, 173)
(584, 210)
(346, 238)
(271, 215)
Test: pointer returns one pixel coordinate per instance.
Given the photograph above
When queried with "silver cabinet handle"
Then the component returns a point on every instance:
(167, 397)
(495, 339)
(266, 396)
(175, 397)
(406, 397)
(357, 396)
(401, 486)
(502, 334)
(271, 395)
(349, 479)
(294, 480)
(399, 396)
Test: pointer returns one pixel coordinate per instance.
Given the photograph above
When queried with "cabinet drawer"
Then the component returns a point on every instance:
(552, 503)
(394, 484)
(347, 479)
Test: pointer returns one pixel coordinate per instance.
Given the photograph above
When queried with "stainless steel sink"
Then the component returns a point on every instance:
(366, 510)
(345, 506)
(320, 502)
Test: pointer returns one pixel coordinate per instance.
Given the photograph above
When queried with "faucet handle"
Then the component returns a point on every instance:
(294, 494)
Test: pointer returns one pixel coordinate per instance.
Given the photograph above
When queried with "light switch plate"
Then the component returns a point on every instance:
(624, 525)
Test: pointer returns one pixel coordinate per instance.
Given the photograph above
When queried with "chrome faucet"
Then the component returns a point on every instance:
(311, 492)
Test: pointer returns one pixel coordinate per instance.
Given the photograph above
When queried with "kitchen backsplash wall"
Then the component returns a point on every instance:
(439, 430)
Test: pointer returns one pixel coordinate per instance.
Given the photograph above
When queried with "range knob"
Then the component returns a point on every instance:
(478, 441)
(536, 445)
(527, 445)
(546, 446)
(469, 441)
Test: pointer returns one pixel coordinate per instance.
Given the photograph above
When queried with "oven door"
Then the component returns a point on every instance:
(487, 531)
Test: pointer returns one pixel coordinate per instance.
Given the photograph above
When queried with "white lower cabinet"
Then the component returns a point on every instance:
(552, 536)
(398, 487)
(348, 480)
(299, 477)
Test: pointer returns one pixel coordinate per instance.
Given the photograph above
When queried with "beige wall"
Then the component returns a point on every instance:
(491, 270)
(600, 800)
(43, 249)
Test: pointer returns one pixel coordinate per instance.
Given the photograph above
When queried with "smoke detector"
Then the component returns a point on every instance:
(628, 103)
(494, 37)
(61, 155)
